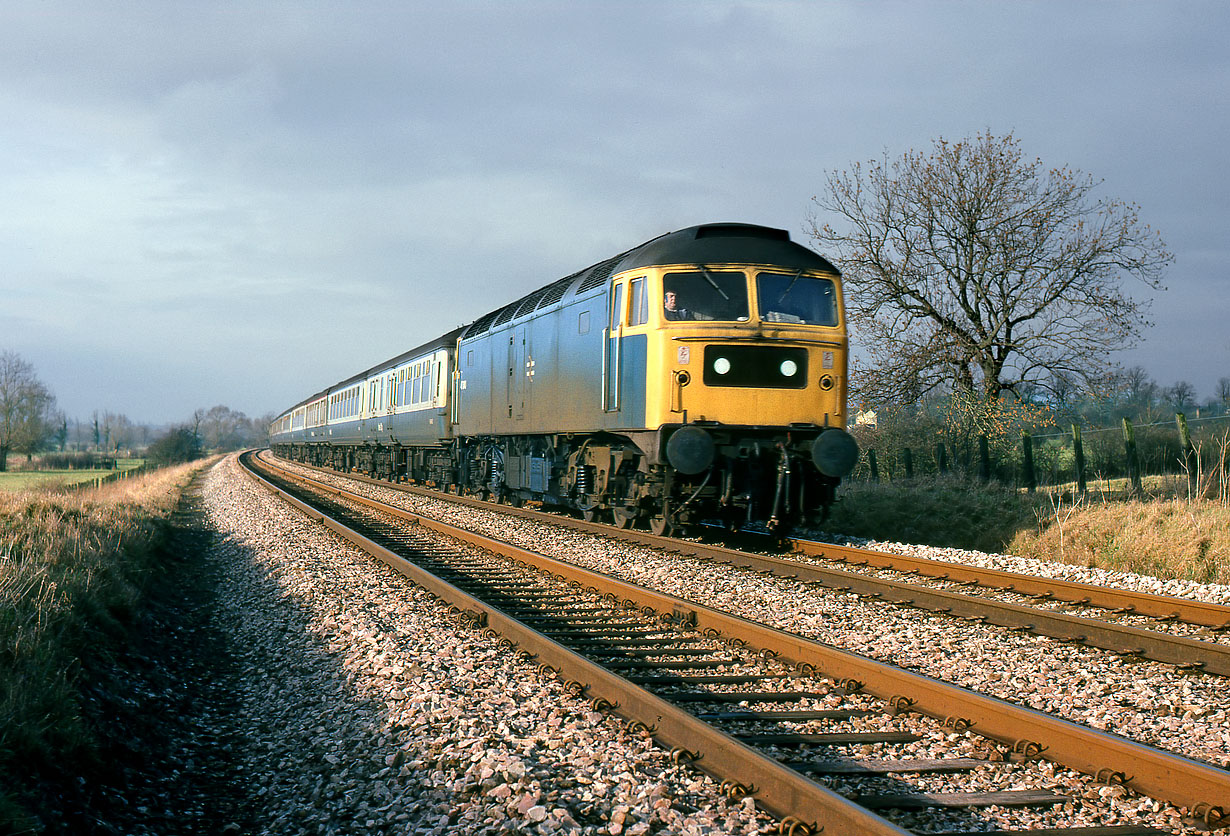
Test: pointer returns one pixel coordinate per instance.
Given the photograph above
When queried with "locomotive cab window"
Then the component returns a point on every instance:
(617, 306)
(638, 293)
(795, 298)
(704, 295)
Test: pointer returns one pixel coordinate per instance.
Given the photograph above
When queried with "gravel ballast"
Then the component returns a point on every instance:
(362, 707)
(1146, 701)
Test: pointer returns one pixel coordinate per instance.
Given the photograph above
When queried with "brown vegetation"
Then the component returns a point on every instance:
(73, 568)
(1168, 535)
(1175, 538)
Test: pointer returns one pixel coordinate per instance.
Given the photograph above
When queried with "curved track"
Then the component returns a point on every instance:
(609, 638)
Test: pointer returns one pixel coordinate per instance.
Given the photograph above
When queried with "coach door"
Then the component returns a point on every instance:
(612, 345)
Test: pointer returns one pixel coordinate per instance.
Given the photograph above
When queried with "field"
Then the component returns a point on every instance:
(26, 480)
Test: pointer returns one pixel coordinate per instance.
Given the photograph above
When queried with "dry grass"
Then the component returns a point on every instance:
(1174, 538)
(72, 571)
(1177, 531)
(1181, 529)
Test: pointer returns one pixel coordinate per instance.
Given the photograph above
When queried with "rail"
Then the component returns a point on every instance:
(1202, 788)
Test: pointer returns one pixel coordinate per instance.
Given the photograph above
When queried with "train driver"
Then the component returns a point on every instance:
(671, 310)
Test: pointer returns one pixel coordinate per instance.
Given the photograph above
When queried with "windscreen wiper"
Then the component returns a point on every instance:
(793, 282)
(704, 271)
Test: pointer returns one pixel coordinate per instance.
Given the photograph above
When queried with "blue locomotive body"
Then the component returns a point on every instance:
(596, 393)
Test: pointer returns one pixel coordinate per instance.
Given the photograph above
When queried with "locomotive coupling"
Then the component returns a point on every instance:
(834, 452)
(690, 450)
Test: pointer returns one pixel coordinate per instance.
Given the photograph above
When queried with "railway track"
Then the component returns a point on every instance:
(759, 700)
(1191, 635)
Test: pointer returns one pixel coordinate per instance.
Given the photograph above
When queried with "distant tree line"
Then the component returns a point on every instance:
(31, 424)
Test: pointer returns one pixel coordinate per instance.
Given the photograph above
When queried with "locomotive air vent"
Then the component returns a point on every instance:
(741, 231)
(530, 302)
(598, 274)
(505, 315)
(481, 326)
(556, 291)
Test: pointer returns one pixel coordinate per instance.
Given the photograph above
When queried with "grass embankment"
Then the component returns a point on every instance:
(73, 569)
(1164, 536)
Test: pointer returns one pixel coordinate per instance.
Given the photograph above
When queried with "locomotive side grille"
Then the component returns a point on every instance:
(556, 291)
(481, 326)
(530, 302)
(598, 275)
(505, 315)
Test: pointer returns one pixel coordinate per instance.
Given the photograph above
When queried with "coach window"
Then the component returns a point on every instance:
(639, 314)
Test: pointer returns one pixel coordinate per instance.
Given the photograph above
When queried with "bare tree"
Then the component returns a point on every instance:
(197, 417)
(118, 431)
(1181, 396)
(60, 431)
(220, 427)
(971, 267)
(1138, 386)
(1223, 390)
(26, 408)
(1063, 388)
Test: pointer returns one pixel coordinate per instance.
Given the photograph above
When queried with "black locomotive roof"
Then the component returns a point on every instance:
(724, 243)
(718, 243)
(721, 243)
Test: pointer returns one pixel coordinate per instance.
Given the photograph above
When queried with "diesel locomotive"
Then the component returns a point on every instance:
(700, 376)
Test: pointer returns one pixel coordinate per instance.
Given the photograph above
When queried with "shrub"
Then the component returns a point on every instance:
(937, 511)
(178, 445)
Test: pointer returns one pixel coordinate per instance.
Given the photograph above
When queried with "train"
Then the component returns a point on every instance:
(697, 378)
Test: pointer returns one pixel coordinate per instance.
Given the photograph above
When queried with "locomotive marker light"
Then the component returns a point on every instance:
(690, 450)
(721, 365)
(789, 368)
(835, 452)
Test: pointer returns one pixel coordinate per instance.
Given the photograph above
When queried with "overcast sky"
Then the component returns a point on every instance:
(240, 203)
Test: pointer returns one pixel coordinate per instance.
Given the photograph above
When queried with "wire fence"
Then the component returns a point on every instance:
(113, 476)
(1194, 450)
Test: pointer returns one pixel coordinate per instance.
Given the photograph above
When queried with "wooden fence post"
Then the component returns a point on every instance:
(984, 459)
(907, 461)
(1078, 448)
(1135, 488)
(941, 457)
(1027, 449)
(1189, 452)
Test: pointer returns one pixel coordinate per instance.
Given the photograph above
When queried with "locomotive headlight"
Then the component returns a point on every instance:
(789, 368)
(721, 365)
